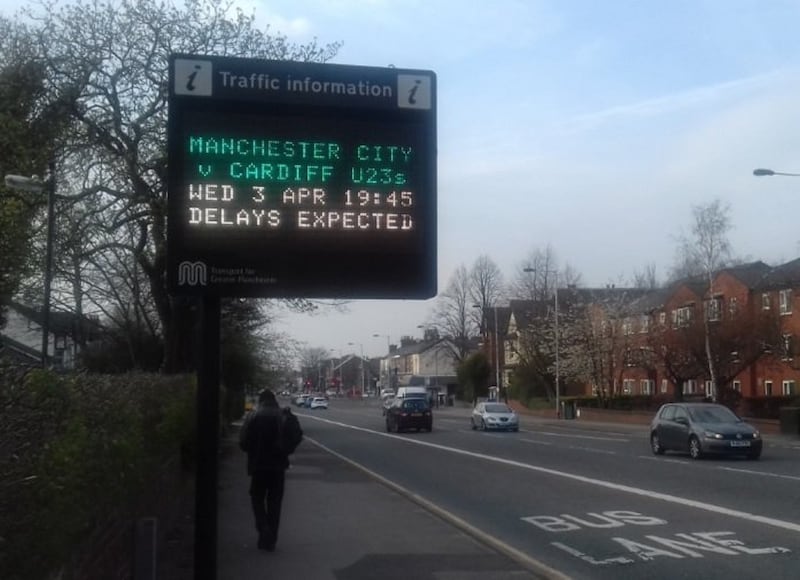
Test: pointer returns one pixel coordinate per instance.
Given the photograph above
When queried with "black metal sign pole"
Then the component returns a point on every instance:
(208, 377)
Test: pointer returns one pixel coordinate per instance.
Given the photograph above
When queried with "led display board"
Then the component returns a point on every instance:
(292, 179)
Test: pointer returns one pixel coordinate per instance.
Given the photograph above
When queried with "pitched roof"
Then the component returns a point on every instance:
(752, 273)
(784, 276)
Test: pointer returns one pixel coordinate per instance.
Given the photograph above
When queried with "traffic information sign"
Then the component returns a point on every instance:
(301, 179)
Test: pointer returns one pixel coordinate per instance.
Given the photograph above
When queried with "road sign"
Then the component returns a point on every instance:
(295, 179)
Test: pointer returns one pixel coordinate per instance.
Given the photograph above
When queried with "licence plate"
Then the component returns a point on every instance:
(416, 414)
(740, 444)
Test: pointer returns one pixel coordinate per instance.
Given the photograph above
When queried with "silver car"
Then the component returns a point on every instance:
(498, 416)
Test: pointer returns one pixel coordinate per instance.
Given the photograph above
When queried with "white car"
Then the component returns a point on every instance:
(319, 403)
(488, 415)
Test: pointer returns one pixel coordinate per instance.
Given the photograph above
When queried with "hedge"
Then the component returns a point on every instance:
(76, 448)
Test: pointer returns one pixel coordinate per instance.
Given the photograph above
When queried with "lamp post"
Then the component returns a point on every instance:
(761, 172)
(34, 185)
(555, 298)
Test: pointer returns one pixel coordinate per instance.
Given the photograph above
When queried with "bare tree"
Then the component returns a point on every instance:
(706, 251)
(485, 285)
(645, 278)
(535, 278)
(117, 53)
(454, 313)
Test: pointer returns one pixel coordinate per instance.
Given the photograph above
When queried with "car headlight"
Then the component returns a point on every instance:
(756, 434)
(712, 435)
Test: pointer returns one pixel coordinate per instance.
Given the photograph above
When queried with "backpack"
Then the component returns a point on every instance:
(291, 433)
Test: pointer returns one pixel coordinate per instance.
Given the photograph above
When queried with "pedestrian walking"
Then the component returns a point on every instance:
(269, 435)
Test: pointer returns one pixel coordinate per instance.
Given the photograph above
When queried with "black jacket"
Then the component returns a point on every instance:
(260, 437)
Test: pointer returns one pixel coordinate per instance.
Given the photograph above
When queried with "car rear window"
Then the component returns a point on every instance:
(415, 405)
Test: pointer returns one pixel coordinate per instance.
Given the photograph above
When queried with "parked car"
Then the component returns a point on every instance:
(387, 402)
(300, 400)
(486, 416)
(701, 429)
(318, 403)
(414, 413)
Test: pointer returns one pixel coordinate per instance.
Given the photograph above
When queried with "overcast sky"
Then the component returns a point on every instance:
(593, 127)
(590, 126)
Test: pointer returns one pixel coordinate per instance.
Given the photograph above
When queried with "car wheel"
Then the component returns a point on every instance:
(655, 444)
(472, 423)
(695, 451)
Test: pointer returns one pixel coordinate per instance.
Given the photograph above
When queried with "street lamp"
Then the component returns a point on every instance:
(496, 353)
(35, 185)
(558, 385)
(761, 172)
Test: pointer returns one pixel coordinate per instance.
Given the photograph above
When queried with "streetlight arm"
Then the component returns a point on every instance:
(761, 172)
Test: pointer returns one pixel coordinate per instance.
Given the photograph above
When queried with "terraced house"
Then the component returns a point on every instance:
(731, 336)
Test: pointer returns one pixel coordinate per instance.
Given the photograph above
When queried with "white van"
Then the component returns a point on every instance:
(411, 393)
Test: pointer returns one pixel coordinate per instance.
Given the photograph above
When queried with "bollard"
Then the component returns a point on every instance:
(144, 558)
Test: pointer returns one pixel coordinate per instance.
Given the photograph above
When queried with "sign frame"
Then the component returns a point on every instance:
(351, 187)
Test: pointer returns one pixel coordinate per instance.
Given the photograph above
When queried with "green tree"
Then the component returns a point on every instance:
(31, 119)
(473, 376)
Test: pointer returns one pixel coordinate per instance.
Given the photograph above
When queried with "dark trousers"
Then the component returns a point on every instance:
(266, 494)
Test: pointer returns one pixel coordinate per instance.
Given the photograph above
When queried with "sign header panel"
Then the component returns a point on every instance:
(301, 179)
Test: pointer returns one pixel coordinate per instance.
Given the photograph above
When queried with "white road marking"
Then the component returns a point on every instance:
(646, 493)
(662, 459)
(595, 437)
(764, 473)
(534, 441)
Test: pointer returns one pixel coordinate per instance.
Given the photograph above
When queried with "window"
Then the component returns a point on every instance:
(627, 327)
(647, 386)
(765, 301)
(785, 299)
(644, 323)
(689, 387)
(682, 316)
(668, 413)
(662, 318)
(664, 385)
(714, 308)
(709, 388)
(737, 386)
(768, 388)
(733, 306)
(788, 388)
(627, 386)
(787, 347)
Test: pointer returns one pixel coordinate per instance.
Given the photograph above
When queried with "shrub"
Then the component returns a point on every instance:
(75, 449)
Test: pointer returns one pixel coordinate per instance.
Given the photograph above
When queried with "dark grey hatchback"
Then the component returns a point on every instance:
(701, 429)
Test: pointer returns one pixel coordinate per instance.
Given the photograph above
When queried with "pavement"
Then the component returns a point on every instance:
(340, 522)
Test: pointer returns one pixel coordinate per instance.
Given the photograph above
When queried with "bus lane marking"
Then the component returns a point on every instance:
(647, 549)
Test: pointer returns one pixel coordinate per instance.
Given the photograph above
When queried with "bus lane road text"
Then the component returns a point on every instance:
(643, 547)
